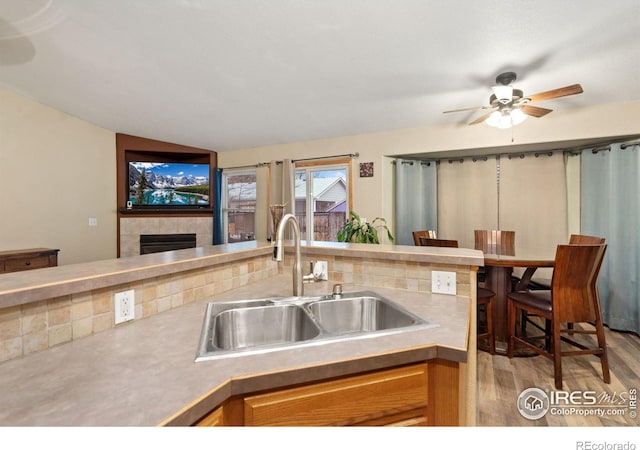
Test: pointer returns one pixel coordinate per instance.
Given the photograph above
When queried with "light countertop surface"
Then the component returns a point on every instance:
(143, 372)
(30, 286)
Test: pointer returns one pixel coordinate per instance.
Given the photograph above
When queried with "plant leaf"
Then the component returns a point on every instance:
(354, 230)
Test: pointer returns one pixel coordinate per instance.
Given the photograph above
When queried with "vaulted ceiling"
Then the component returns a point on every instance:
(229, 74)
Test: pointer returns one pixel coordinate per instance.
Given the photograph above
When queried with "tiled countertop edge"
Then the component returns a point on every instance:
(30, 286)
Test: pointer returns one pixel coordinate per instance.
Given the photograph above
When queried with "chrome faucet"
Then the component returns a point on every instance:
(278, 251)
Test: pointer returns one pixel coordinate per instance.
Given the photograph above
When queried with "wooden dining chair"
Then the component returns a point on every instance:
(429, 234)
(542, 284)
(572, 299)
(438, 242)
(495, 242)
(484, 298)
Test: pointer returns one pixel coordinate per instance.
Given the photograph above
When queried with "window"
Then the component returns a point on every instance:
(239, 205)
(322, 199)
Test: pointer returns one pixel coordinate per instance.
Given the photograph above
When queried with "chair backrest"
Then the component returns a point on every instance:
(495, 242)
(429, 234)
(438, 242)
(584, 239)
(573, 283)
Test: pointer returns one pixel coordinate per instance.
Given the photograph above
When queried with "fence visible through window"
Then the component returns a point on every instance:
(321, 194)
(240, 206)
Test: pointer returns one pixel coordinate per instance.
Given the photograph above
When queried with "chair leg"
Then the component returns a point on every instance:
(548, 335)
(604, 360)
(511, 321)
(489, 314)
(557, 354)
(523, 323)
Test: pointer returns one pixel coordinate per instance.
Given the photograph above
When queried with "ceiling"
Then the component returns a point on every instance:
(229, 74)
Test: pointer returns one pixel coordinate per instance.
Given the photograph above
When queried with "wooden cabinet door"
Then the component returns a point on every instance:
(390, 397)
(214, 419)
(228, 414)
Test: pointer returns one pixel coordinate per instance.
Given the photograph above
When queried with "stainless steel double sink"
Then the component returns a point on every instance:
(258, 326)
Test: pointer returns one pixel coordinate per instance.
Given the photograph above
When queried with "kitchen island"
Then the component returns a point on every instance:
(142, 373)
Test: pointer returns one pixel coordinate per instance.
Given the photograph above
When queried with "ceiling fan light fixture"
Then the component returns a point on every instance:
(517, 116)
(494, 119)
(506, 118)
(510, 107)
(504, 94)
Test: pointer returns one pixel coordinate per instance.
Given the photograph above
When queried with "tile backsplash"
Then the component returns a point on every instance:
(37, 326)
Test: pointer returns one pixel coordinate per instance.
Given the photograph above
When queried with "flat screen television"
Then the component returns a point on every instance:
(168, 184)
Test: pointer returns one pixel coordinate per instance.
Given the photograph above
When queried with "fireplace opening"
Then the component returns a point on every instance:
(154, 243)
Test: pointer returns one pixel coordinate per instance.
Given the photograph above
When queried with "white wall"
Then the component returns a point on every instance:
(57, 172)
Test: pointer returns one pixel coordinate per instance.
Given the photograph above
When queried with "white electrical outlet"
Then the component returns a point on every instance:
(93, 222)
(320, 270)
(124, 306)
(443, 282)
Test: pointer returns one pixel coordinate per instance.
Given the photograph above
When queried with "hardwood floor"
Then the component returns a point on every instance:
(501, 380)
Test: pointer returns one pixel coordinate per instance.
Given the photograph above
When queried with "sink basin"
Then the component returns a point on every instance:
(257, 326)
(264, 325)
(358, 314)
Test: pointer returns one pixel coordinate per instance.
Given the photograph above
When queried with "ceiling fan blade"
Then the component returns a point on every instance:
(465, 109)
(535, 111)
(555, 93)
(482, 118)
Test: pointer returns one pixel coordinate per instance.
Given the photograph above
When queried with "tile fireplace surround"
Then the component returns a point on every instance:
(132, 227)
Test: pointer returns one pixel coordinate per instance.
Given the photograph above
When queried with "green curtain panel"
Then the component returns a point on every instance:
(610, 207)
(416, 199)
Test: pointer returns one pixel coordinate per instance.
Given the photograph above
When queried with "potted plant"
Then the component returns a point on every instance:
(359, 230)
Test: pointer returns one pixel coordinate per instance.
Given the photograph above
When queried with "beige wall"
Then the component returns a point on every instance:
(374, 196)
(57, 172)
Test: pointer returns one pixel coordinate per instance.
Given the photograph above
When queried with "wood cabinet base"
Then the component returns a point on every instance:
(414, 395)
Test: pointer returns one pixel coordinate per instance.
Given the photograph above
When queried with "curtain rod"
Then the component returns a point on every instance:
(629, 144)
(249, 166)
(571, 151)
(350, 155)
(262, 164)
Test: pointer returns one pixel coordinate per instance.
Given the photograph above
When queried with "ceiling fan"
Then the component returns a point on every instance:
(509, 106)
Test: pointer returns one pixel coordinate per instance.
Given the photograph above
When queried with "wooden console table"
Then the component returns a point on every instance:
(28, 259)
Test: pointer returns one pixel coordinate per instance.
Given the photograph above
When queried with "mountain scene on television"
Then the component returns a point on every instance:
(170, 184)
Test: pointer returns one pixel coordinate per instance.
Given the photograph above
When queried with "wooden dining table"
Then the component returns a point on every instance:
(498, 278)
